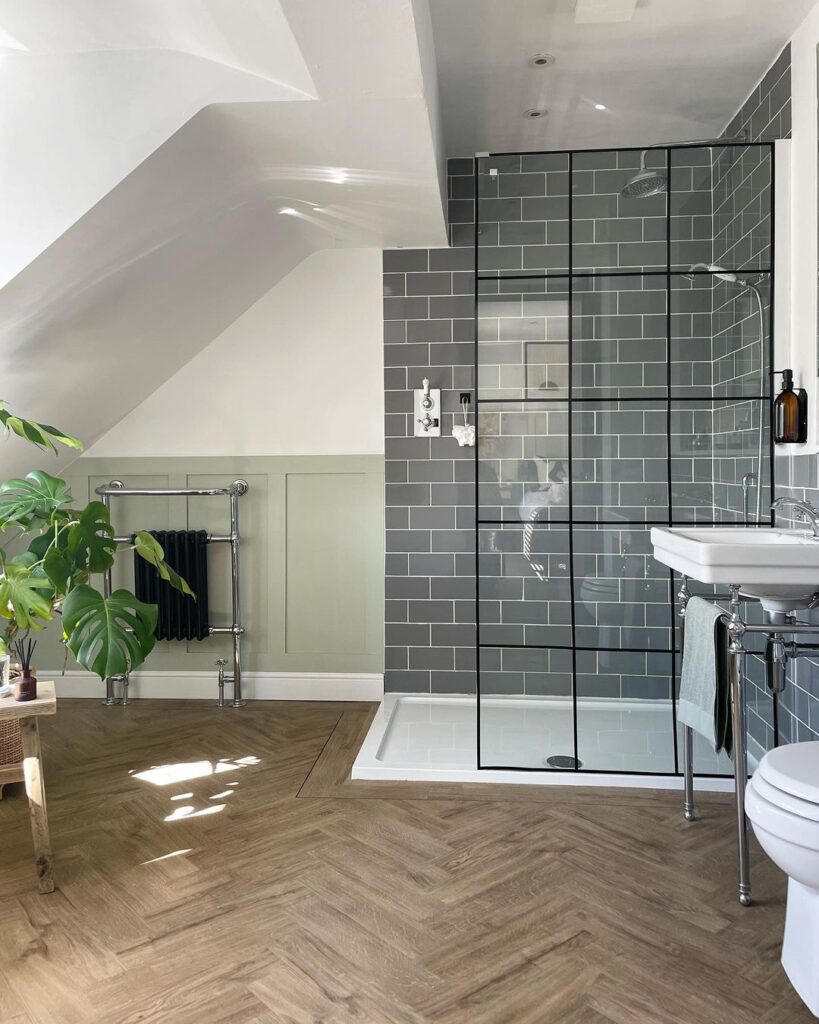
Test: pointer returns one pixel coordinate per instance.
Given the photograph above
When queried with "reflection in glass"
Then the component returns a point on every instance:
(525, 585)
(621, 592)
(523, 468)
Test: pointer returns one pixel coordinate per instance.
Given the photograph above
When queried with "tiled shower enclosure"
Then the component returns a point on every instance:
(622, 382)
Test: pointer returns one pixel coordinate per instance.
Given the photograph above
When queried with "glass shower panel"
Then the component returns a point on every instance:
(523, 469)
(691, 198)
(526, 709)
(692, 331)
(523, 348)
(616, 390)
(619, 461)
(625, 715)
(619, 337)
(612, 230)
(621, 592)
(742, 336)
(525, 589)
(715, 461)
(523, 338)
(523, 213)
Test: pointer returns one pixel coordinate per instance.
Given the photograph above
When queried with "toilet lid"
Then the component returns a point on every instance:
(783, 801)
(794, 769)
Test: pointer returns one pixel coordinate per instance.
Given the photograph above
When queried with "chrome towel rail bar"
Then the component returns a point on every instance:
(117, 489)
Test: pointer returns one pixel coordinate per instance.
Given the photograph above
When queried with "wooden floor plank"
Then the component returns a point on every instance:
(223, 868)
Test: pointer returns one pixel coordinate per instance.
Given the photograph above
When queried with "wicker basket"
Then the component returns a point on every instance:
(11, 745)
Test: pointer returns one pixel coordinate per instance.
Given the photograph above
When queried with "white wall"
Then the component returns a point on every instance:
(805, 216)
(299, 373)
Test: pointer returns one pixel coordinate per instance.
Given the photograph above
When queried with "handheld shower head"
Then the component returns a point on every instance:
(716, 270)
(645, 182)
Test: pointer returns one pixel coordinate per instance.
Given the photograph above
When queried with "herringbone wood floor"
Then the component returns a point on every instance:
(308, 898)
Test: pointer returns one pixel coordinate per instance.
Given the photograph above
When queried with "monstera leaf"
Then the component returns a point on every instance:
(25, 597)
(149, 548)
(108, 635)
(40, 434)
(91, 543)
(25, 501)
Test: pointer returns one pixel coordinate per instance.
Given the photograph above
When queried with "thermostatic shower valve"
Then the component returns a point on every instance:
(427, 411)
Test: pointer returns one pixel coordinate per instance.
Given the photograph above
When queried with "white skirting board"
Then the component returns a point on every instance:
(352, 686)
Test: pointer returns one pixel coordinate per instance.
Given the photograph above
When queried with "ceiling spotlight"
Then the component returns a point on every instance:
(533, 112)
(600, 106)
(541, 60)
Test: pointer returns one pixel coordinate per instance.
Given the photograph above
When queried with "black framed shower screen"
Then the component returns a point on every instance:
(616, 389)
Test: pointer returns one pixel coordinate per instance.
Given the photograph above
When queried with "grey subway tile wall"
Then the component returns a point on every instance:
(430, 537)
(744, 235)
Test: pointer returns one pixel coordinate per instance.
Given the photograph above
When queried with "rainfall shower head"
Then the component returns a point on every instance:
(645, 182)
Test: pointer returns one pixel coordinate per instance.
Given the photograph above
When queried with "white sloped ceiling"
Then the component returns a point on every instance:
(164, 165)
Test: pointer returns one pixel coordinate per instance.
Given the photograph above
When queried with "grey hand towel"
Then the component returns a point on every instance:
(705, 696)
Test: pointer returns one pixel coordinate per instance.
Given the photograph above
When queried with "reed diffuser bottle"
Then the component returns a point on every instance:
(25, 685)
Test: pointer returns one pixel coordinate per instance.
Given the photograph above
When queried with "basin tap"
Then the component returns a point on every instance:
(802, 509)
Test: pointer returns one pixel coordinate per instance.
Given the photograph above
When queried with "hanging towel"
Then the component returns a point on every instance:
(705, 694)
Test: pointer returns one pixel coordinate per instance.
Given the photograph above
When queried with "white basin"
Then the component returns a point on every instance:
(779, 567)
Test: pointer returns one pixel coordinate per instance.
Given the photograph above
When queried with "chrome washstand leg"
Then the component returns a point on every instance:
(107, 586)
(689, 808)
(736, 628)
(239, 488)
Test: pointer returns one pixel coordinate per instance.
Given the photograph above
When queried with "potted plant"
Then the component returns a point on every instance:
(65, 546)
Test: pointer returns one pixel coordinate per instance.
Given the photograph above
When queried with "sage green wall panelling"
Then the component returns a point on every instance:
(326, 538)
(312, 556)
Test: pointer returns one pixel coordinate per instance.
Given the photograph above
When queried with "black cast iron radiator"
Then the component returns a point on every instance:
(180, 617)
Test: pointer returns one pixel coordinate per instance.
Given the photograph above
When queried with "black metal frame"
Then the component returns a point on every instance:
(669, 273)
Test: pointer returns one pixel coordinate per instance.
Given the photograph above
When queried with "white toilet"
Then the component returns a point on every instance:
(782, 803)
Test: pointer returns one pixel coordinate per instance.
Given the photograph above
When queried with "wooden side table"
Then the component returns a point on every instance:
(27, 712)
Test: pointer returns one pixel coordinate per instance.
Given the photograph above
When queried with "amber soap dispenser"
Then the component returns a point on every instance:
(790, 412)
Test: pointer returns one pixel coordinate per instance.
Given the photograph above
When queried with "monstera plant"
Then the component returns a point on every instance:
(65, 545)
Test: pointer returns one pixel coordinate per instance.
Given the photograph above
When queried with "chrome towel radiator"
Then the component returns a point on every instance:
(117, 489)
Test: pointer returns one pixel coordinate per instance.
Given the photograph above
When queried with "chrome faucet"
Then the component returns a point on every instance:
(804, 510)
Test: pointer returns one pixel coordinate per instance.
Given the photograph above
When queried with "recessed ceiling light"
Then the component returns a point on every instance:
(533, 112)
(541, 60)
(288, 211)
(600, 106)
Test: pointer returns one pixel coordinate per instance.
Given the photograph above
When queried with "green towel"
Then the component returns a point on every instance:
(705, 693)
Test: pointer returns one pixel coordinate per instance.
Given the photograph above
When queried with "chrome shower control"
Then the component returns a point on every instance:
(427, 410)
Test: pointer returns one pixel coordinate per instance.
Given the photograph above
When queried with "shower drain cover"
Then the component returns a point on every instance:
(563, 761)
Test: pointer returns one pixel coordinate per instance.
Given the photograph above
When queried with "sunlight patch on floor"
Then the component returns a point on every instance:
(167, 856)
(199, 804)
(189, 811)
